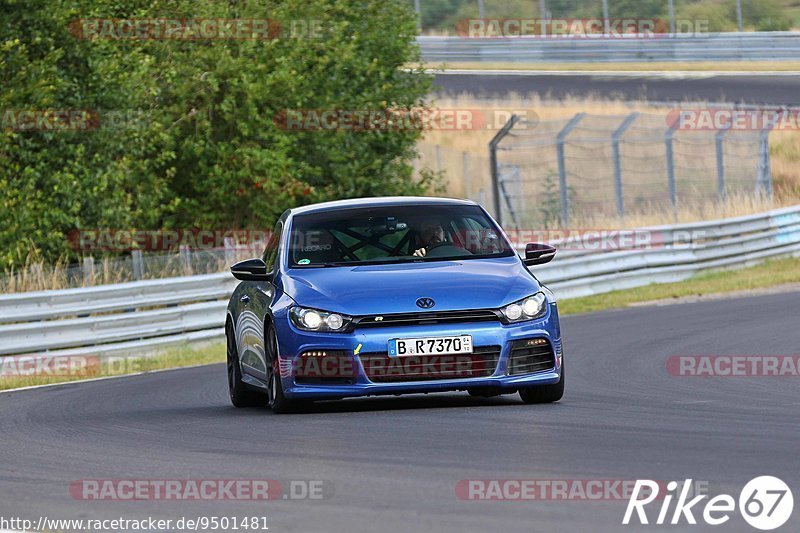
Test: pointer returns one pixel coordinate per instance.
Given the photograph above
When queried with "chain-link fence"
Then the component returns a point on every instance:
(589, 166)
(98, 270)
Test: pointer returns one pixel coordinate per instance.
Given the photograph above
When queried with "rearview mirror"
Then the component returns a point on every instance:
(251, 270)
(538, 254)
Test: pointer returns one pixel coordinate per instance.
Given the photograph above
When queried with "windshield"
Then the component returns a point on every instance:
(394, 234)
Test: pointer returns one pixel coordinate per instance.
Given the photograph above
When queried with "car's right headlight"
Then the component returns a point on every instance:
(316, 320)
(526, 309)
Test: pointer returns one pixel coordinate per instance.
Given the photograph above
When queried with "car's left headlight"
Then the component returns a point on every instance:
(526, 309)
(316, 320)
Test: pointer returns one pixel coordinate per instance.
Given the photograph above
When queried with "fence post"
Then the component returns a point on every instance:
(88, 270)
(720, 140)
(507, 127)
(138, 264)
(230, 250)
(467, 178)
(615, 139)
(186, 257)
(438, 152)
(673, 189)
(764, 179)
(562, 166)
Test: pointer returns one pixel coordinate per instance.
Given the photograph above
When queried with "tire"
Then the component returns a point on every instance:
(240, 395)
(279, 403)
(544, 393)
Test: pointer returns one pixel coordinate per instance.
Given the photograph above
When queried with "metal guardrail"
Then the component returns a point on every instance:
(115, 318)
(674, 253)
(142, 315)
(745, 46)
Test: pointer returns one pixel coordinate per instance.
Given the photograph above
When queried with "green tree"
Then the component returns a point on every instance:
(205, 149)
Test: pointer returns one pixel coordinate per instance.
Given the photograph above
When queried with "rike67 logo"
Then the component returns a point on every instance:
(765, 503)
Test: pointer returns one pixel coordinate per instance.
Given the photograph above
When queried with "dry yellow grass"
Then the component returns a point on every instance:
(449, 151)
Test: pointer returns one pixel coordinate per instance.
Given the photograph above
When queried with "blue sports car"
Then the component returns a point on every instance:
(381, 296)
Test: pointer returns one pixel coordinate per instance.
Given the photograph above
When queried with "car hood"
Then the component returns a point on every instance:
(386, 289)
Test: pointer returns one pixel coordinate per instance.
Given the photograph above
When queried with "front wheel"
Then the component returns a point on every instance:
(544, 393)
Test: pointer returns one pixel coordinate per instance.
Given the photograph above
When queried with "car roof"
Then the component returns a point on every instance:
(377, 202)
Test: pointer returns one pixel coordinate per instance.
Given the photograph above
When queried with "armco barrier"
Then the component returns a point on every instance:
(141, 315)
(746, 46)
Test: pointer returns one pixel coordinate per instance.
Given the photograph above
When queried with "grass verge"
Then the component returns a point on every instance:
(769, 274)
(18, 372)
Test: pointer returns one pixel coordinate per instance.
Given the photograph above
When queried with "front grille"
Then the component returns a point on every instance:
(380, 368)
(324, 367)
(529, 356)
(425, 318)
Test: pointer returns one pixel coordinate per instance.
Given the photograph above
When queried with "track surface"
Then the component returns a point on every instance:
(394, 462)
(751, 89)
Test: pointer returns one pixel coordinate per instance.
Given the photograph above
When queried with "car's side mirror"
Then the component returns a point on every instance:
(251, 270)
(538, 254)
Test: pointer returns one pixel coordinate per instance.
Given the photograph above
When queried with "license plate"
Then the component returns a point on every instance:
(430, 346)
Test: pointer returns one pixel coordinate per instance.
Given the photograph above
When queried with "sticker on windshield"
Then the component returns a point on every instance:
(304, 262)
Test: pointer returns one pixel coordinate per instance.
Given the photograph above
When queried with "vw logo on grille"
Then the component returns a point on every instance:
(425, 303)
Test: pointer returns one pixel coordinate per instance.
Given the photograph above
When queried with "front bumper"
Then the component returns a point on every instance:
(294, 342)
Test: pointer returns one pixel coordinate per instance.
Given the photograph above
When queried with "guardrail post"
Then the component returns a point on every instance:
(507, 127)
(562, 166)
(615, 139)
(670, 156)
(138, 264)
(720, 142)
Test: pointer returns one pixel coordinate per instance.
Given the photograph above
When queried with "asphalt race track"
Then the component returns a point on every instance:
(670, 87)
(393, 463)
